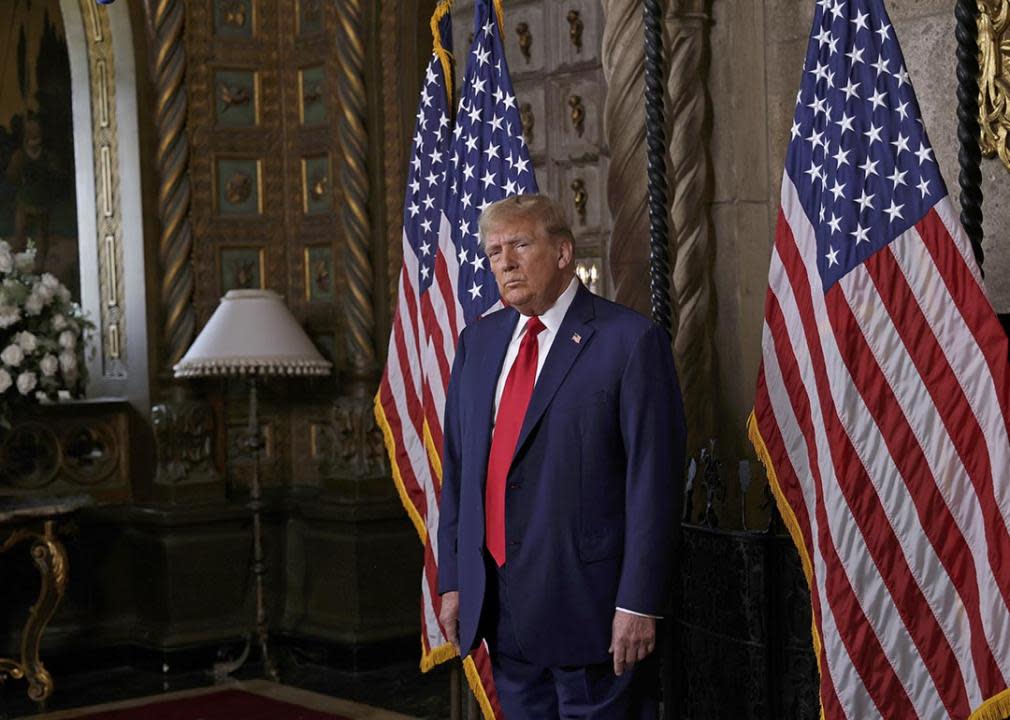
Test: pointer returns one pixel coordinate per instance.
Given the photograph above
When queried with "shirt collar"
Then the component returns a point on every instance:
(553, 316)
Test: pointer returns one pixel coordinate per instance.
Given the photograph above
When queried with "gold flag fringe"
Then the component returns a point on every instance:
(477, 687)
(995, 708)
(444, 6)
(401, 490)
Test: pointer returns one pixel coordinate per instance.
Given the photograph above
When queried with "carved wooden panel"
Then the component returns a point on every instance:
(262, 82)
(553, 51)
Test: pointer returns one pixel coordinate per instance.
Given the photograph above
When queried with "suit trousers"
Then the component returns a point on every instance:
(528, 691)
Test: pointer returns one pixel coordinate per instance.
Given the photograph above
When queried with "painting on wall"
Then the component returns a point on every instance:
(37, 177)
(241, 268)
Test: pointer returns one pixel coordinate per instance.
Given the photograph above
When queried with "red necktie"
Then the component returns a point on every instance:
(511, 412)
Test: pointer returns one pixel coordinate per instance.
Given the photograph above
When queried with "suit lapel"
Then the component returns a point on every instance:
(559, 361)
(492, 357)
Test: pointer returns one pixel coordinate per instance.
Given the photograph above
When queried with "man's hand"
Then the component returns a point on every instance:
(633, 638)
(449, 617)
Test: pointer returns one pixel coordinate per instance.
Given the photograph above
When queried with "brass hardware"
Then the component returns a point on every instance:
(994, 78)
(578, 114)
(575, 27)
(528, 121)
(525, 39)
(580, 196)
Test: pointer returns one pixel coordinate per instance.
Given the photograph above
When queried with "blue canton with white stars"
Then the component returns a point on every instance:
(426, 178)
(859, 155)
(488, 158)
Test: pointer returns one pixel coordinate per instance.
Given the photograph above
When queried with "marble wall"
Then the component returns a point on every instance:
(756, 54)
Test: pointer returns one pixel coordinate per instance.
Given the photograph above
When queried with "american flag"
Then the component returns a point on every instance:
(882, 403)
(457, 169)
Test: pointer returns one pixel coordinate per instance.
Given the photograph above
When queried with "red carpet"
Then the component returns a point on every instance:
(222, 705)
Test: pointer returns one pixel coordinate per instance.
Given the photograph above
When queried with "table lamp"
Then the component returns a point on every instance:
(252, 334)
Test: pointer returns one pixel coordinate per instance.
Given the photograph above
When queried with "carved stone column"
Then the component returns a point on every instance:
(165, 23)
(693, 256)
(627, 179)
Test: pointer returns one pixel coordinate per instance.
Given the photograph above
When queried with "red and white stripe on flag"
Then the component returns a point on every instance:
(882, 418)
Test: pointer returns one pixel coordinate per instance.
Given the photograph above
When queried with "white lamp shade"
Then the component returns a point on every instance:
(252, 332)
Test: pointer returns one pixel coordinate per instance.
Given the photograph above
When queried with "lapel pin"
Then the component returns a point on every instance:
(576, 338)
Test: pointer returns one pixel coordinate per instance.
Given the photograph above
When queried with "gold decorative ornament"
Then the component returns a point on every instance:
(578, 113)
(319, 186)
(527, 120)
(239, 188)
(994, 78)
(234, 96)
(525, 39)
(579, 198)
(233, 13)
(50, 559)
(575, 28)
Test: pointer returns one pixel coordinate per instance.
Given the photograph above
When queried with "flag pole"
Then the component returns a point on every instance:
(655, 134)
(968, 130)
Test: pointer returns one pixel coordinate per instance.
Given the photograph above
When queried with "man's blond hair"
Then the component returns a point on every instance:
(538, 207)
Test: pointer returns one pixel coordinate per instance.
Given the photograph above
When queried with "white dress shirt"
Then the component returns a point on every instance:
(551, 319)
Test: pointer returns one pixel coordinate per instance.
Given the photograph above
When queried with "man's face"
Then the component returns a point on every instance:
(530, 267)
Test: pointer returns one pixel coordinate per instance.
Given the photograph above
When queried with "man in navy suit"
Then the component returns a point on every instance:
(564, 448)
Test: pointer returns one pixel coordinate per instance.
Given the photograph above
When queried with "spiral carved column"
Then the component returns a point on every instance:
(166, 22)
(354, 184)
(627, 179)
(694, 343)
(969, 133)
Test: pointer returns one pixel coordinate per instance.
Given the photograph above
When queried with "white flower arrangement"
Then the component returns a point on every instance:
(41, 336)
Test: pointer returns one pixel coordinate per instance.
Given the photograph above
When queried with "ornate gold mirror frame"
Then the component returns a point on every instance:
(994, 78)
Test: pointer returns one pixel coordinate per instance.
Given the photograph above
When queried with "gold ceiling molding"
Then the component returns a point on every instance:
(994, 77)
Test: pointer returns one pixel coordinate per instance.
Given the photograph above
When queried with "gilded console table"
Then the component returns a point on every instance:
(32, 520)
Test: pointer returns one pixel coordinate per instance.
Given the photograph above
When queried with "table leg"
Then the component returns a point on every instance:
(51, 561)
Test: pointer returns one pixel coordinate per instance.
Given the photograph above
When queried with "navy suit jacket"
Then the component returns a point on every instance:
(592, 499)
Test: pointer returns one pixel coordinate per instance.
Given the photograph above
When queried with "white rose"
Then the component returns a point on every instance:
(43, 291)
(68, 361)
(62, 395)
(26, 382)
(49, 280)
(68, 340)
(12, 355)
(28, 342)
(59, 322)
(5, 380)
(34, 304)
(6, 259)
(49, 365)
(9, 316)
(64, 294)
(25, 261)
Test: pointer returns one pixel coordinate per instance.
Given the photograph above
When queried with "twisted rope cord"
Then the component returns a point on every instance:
(968, 129)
